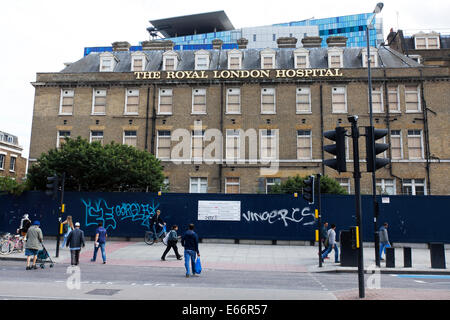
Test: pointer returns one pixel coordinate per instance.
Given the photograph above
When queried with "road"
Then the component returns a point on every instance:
(98, 281)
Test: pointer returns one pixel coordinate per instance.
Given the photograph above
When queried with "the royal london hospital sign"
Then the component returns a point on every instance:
(238, 74)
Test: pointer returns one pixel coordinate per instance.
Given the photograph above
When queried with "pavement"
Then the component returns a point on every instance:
(243, 257)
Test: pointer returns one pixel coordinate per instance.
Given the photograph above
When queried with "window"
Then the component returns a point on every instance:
(301, 58)
(198, 185)
(268, 144)
(335, 58)
(234, 101)
(232, 185)
(377, 100)
(396, 145)
(130, 138)
(268, 105)
(163, 145)
(303, 100)
(414, 187)
(202, 60)
(393, 99)
(271, 182)
(66, 106)
(234, 60)
(373, 57)
(412, 98)
(427, 42)
(99, 101)
(132, 101)
(2, 161)
(62, 135)
(138, 61)
(339, 100)
(304, 146)
(415, 149)
(165, 105)
(267, 59)
(344, 183)
(12, 164)
(199, 101)
(386, 187)
(170, 61)
(232, 144)
(107, 62)
(197, 144)
(97, 136)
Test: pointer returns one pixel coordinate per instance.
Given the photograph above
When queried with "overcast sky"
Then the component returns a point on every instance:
(39, 36)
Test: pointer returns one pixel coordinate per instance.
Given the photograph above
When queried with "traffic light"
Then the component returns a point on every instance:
(52, 186)
(339, 163)
(354, 231)
(308, 190)
(373, 135)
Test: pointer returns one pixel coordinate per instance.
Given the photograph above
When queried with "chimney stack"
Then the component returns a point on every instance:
(242, 43)
(164, 45)
(287, 42)
(337, 41)
(121, 46)
(312, 42)
(217, 44)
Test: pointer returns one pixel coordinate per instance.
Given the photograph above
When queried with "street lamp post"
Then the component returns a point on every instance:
(377, 10)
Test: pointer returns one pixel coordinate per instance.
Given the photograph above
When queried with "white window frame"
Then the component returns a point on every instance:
(401, 143)
(104, 56)
(268, 90)
(198, 182)
(12, 163)
(133, 136)
(238, 183)
(195, 134)
(263, 135)
(303, 91)
(234, 54)
(374, 53)
(301, 52)
(91, 136)
(170, 55)
(309, 136)
(268, 53)
(273, 182)
(131, 92)
(345, 183)
(202, 54)
(427, 45)
(136, 56)
(58, 137)
(333, 52)
(165, 92)
(158, 136)
(383, 183)
(69, 93)
(421, 143)
(198, 91)
(419, 106)
(233, 92)
(397, 92)
(337, 90)
(3, 160)
(377, 90)
(97, 92)
(413, 184)
(236, 136)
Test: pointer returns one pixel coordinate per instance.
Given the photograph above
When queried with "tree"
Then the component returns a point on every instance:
(93, 167)
(296, 185)
(11, 186)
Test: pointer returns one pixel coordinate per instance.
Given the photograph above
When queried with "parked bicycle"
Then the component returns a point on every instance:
(149, 238)
(10, 243)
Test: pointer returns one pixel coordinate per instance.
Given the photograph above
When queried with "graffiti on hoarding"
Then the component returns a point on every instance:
(295, 216)
(99, 211)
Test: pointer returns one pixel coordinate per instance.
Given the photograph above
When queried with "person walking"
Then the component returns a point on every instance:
(33, 244)
(384, 240)
(190, 243)
(75, 241)
(69, 224)
(324, 237)
(332, 245)
(155, 221)
(100, 242)
(172, 243)
(25, 224)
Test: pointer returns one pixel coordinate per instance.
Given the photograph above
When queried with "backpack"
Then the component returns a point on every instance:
(166, 238)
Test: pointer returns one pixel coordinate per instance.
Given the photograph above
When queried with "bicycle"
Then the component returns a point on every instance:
(149, 239)
(11, 243)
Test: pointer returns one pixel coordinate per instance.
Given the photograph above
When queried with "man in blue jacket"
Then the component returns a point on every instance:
(190, 243)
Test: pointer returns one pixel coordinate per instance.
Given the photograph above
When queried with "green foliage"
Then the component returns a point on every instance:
(295, 185)
(93, 167)
(9, 185)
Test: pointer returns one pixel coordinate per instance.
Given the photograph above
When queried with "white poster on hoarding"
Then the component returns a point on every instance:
(219, 210)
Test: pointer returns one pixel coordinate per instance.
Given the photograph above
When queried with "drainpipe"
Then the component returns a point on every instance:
(146, 118)
(152, 145)
(426, 132)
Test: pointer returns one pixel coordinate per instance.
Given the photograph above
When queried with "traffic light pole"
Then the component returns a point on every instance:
(61, 210)
(319, 217)
(357, 177)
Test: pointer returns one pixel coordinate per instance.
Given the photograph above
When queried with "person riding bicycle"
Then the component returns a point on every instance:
(157, 220)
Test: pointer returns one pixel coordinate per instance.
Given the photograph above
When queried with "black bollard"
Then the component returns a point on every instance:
(407, 257)
(437, 253)
(390, 257)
